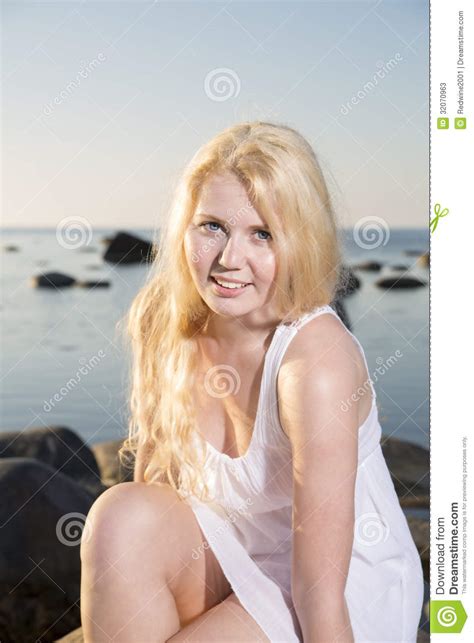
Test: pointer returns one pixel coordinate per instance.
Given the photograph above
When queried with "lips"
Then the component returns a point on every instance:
(230, 281)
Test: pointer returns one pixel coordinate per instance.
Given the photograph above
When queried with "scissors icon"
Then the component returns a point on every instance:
(438, 214)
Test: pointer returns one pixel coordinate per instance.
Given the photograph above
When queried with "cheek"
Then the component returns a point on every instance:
(265, 267)
(198, 254)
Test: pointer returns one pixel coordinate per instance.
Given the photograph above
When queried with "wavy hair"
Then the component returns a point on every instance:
(168, 312)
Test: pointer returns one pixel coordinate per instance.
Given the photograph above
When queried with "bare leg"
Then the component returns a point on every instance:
(140, 580)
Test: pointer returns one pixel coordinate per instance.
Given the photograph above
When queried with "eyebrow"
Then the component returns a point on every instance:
(262, 226)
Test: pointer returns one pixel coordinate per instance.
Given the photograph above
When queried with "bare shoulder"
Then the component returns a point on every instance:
(321, 367)
(324, 342)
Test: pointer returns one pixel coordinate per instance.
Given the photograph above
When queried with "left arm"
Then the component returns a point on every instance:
(324, 438)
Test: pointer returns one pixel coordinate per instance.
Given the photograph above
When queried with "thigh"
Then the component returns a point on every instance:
(227, 621)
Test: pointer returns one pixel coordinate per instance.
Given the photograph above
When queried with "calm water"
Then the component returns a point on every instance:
(50, 338)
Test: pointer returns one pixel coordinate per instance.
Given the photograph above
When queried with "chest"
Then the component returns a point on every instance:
(226, 401)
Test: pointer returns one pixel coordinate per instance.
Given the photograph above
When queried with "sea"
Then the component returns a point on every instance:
(64, 358)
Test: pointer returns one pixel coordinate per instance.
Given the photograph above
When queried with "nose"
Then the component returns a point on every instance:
(232, 257)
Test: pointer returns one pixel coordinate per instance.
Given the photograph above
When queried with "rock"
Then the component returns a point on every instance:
(106, 240)
(414, 253)
(125, 248)
(399, 281)
(42, 515)
(409, 465)
(11, 248)
(112, 471)
(422, 637)
(52, 280)
(94, 284)
(420, 531)
(59, 448)
(371, 266)
(424, 260)
(73, 637)
(340, 309)
(400, 267)
(348, 282)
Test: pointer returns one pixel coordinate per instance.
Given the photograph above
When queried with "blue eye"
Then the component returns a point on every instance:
(211, 223)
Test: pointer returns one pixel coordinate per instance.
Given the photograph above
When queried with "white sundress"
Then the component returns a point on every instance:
(249, 526)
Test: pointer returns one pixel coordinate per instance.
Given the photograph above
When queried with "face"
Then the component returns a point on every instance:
(228, 241)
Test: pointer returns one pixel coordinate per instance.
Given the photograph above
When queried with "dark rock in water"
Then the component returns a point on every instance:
(414, 253)
(125, 248)
(94, 284)
(112, 471)
(409, 465)
(370, 266)
(400, 281)
(348, 282)
(400, 267)
(424, 260)
(52, 280)
(11, 248)
(42, 515)
(59, 448)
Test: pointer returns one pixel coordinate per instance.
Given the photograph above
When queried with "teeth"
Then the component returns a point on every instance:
(228, 284)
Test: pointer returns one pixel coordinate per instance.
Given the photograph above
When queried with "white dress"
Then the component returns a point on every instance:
(249, 527)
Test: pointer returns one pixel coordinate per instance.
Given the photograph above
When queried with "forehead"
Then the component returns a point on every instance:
(224, 196)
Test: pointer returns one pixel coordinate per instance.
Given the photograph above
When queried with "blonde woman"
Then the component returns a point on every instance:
(261, 508)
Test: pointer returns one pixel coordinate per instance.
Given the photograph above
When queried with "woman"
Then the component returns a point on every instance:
(261, 508)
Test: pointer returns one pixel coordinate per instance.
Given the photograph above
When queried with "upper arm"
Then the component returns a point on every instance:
(320, 373)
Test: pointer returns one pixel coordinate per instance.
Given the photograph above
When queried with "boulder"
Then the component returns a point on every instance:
(400, 267)
(400, 281)
(57, 447)
(409, 465)
(52, 280)
(11, 248)
(348, 282)
(112, 471)
(125, 248)
(42, 514)
(370, 266)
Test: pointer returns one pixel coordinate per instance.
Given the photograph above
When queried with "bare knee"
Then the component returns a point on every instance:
(128, 521)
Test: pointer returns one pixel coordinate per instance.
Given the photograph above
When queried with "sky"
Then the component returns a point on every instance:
(105, 102)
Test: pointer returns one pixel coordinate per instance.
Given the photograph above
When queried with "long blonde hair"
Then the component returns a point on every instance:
(168, 312)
